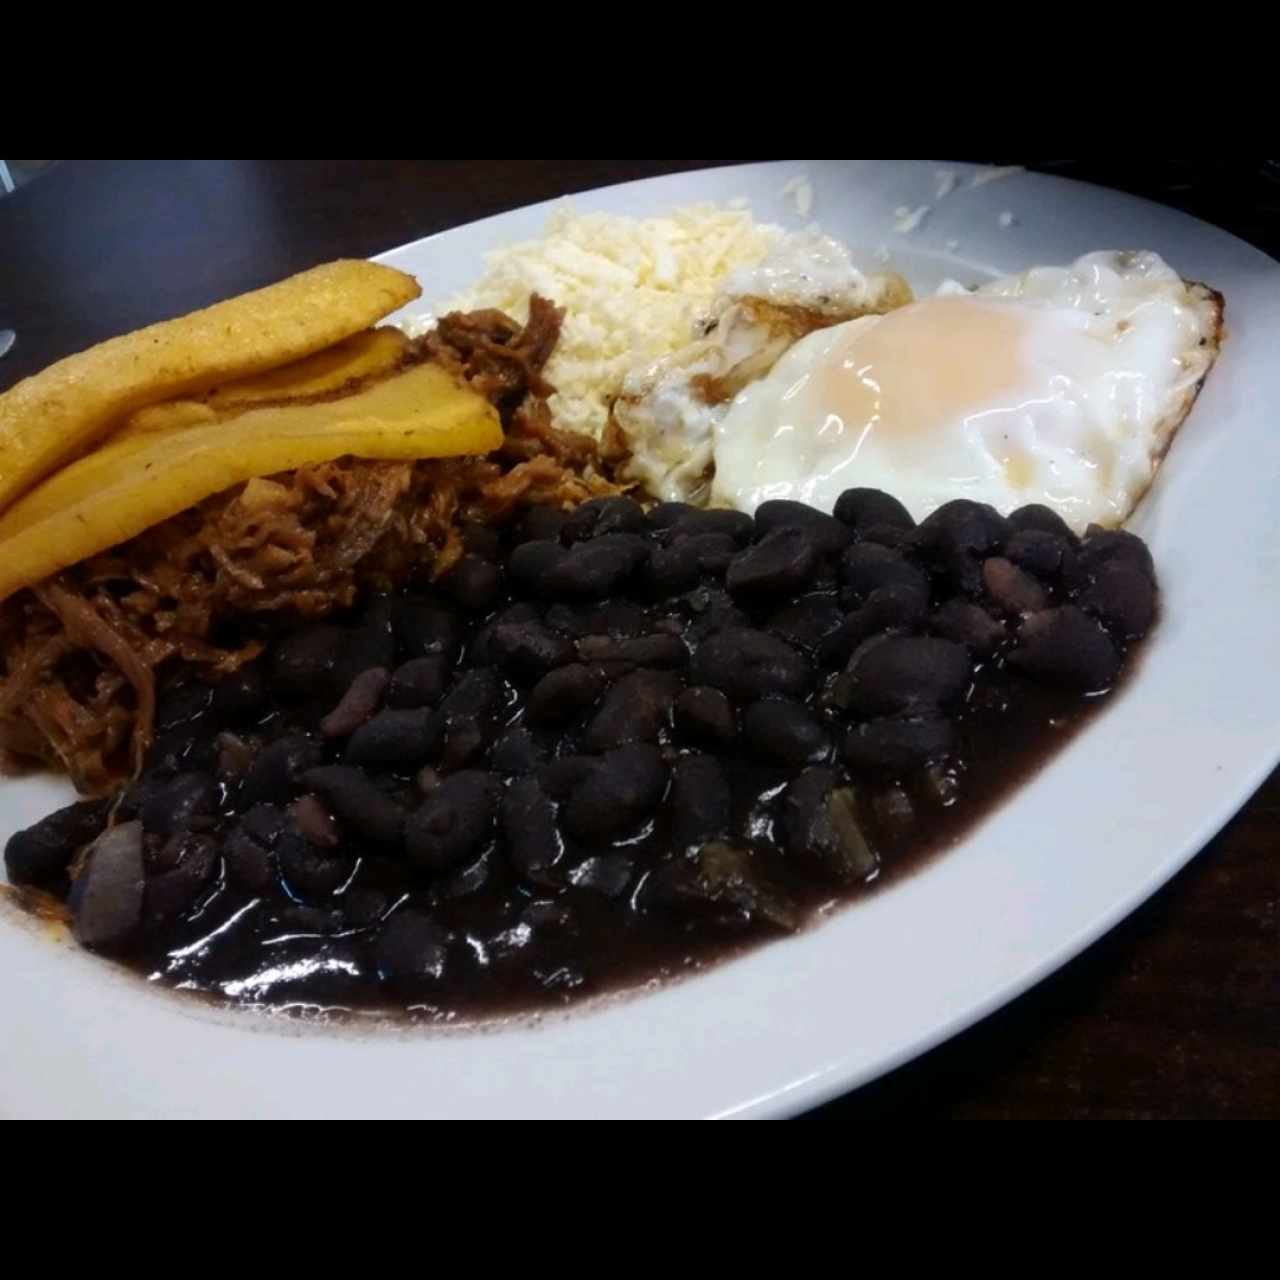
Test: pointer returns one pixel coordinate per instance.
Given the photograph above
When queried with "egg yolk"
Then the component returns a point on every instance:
(923, 367)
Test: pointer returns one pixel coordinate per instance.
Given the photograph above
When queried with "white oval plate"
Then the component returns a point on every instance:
(794, 1023)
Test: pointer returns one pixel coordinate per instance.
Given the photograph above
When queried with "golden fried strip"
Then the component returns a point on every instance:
(56, 414)
(124, 488)
(371, 354)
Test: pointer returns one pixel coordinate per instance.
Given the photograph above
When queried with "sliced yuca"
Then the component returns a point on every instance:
(371, 354)
(58, 413)
(124, 488)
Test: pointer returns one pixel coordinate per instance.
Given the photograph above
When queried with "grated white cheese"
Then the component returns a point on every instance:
(633, 290)
(800, 189)
(907, 220)
(994, 174)
(946, 180)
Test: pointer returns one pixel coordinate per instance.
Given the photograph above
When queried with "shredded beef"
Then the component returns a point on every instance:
(82, 653)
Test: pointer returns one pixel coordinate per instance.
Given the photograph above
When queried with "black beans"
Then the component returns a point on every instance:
(967, 624)
(1110, 546)
(274, 775)
(821, 827)
(867, 567)
(360, 701)
(234, 756)
(962, 525)
(548, 915)
(300, 921)
(748, 664)
(163, 854)
(171, 893)
(181, 704)
(250, 864)
(532, 563)
(611, 618)
(516, 752)
(468, 712)
(780, 564)
(265, 823)
(364, 906)
(783, 732)
(418, 682)
(527, 650)
(248, 849)
(711, 609)
(807, 622)
(1123, 595)
(188, 746)
(532, 838)
(481, 539)
(478, 694)
(666, 515)
(312, 819)
(886, 608)
(957, 537)
(679, 566)
(40, 855)
(898, 744)
(704, 717)
(625, 788)
(596, 567)
(453, 821)
(1013, 590)
(691, 523)
(1040, 552)
(472, 877)
(636, 709)
(561, 777)
(358, 804)
(411, 948)
(474, 583)
(903, 673)
(429, 630)
(371, 644)
(173, 807)
(565, 694)
(608, 874)
(870, 509)
(827, 534)
(543, 524)
(240, 697)
(599, 516)
(701, 802)
(697, 713)
(107, 897)
(480, 651)
(303, 662)
(640, 651)
(309, 870)
(1041, 518)
(1066, 647)
(396, 739)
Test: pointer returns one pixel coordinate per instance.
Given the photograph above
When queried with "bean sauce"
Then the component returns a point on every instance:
(607, 748)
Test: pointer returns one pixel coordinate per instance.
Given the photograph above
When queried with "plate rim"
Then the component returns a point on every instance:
(840, 1076)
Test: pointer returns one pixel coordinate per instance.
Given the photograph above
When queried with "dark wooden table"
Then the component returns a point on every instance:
(1175, 1013)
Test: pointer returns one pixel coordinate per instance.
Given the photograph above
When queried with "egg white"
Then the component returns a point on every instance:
(1062, 386)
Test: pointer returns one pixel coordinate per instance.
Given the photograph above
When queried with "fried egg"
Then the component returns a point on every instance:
(667, 410)
(1062, 386)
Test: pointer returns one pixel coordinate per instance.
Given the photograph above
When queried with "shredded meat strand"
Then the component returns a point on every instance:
(83, 655)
